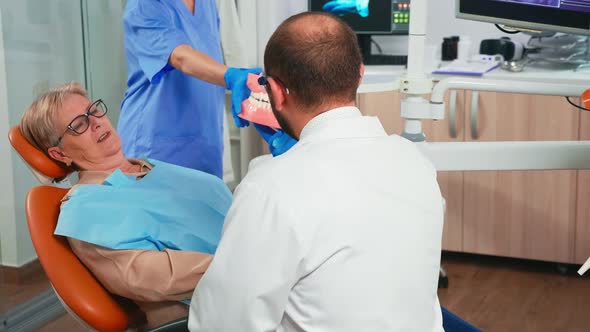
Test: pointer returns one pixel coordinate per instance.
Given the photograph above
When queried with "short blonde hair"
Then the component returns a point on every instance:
(38, 124)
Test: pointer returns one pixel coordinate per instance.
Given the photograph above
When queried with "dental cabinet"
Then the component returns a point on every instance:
(541, 215)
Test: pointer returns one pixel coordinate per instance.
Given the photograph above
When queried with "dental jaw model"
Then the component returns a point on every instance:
(257, 107)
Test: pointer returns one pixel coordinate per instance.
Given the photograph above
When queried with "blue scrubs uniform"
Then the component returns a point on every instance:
(166, 114)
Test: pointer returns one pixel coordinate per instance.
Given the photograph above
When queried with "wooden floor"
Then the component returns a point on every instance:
(20, 285)
(501, 294)
(64, 323)
(495, 294)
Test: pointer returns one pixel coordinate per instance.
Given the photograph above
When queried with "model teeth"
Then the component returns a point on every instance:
(259, 99)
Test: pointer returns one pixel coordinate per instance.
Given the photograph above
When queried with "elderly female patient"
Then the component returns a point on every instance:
(146, 229)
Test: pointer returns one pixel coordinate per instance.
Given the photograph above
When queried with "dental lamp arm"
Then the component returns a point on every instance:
(415, 84)
(525, 87)
(512, 86)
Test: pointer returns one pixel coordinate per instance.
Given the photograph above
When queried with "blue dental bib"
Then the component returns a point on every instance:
(171, 207)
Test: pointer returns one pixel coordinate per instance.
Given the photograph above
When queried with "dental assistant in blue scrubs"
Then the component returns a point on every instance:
(173, 107)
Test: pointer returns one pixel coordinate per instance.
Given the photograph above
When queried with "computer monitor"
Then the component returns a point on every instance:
(568, 16)
(367, 18)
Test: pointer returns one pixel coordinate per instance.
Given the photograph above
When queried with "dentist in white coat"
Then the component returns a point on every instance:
(343, 231)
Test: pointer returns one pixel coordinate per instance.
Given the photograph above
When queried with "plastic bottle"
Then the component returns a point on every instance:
(464, 48)
(448, 50)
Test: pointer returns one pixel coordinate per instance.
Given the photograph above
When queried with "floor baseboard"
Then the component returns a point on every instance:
(33, 313)
(20, 274)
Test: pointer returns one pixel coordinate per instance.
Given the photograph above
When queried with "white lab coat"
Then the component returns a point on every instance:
(341, 233)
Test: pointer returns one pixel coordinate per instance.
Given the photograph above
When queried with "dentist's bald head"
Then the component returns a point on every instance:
(316, 56)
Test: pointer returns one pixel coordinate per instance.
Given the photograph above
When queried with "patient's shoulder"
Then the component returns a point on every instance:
(85, 251)
(69, 194)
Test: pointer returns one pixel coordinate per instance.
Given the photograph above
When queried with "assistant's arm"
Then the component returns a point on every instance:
(197, 64)
(153, 39)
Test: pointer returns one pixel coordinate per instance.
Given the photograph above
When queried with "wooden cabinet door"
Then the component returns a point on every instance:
(451, 183)
(386, 106)
(582, 249)
(525, 214)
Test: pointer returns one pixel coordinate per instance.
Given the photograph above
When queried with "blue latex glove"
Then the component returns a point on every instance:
(343, 7)
(235, 80)
(278, 141)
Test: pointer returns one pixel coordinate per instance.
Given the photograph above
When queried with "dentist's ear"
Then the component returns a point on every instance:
(362, 73)
(279, 93)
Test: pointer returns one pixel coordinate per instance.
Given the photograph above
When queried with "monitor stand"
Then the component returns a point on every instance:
(364, 41)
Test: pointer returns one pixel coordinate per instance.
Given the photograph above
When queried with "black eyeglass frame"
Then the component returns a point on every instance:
(91, 108)
(263, 81)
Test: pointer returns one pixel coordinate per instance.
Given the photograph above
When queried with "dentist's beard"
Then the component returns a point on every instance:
(285, 126)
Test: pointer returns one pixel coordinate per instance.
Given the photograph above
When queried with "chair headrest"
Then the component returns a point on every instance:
(43, 167)
(586, 99)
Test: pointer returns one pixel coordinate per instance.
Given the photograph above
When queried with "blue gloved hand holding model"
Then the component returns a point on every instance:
(343, 7)
(235, 80)
(278, 141)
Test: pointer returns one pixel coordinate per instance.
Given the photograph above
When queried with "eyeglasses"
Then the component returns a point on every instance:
(80, 123)
(263, 80)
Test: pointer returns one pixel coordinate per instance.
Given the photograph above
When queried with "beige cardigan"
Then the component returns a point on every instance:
(155, 280)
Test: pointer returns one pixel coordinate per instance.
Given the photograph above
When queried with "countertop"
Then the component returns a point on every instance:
(386, 78)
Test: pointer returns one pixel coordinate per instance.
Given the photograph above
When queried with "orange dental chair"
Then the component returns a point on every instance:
(586, 99)
(79, 291)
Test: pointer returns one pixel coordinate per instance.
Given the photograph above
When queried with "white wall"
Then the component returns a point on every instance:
(263, 16)
(442, 23)
(42, 48)
(105, 57)
(7, 218)
(441, 15)
(445, 24)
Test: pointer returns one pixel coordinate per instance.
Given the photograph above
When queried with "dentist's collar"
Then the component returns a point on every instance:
(333, 114)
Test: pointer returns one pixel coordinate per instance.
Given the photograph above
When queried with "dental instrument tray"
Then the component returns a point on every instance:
(561, 49)
(557, 42)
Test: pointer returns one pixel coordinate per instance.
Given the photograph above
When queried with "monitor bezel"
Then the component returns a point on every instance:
(519, 16)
